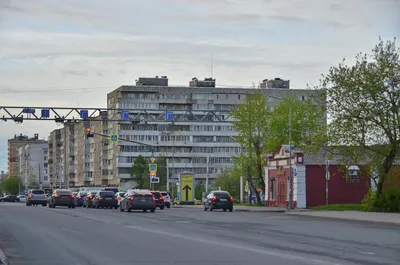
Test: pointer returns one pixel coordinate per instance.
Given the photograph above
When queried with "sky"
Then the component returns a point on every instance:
(70, 53)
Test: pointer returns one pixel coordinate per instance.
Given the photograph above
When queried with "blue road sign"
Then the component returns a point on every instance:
(45, 113)
(84, 114)
(125, 115)
(114, 138)
(152, 167)
(169, 115)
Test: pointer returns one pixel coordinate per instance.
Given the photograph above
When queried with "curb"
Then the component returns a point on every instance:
(3, 258)
(345, 219)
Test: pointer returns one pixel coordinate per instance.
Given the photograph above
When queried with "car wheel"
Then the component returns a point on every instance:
(116, 207)
(230, 209)
(84, 206)
(161, 207)
(69, 207)
(98, 206)
(168, 206)
(73, 206)
(153, 210)
(49, 205)
(44, 205)
(144, 210)
(205, 209)
(224, 210)
(211, 208)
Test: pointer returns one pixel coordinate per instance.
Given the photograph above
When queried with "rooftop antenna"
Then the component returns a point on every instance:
(212, 65)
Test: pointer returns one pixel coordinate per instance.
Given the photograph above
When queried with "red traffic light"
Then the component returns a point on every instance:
(153, 174)
(88, 130)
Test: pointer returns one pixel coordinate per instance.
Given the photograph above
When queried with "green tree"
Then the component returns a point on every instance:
(229, 180)
(33, 183)
(308, 120)
(140, 172)
(199, 189)
(251, 122)
(363, 104)
(12, 185)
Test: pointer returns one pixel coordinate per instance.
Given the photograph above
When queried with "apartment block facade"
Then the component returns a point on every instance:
(56, 158)
(202, 138)
(33, 163)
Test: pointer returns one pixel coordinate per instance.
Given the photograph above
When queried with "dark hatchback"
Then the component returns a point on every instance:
(105, 199)
(62, 198)
(80, 198)
(218, 200)
(159, 199)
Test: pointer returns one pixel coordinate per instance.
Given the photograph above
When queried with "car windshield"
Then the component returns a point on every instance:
(92, 193)
(164, 194)
(64, 192)
(222, 194)
(106, 193)
(37, 191)
(82, 193)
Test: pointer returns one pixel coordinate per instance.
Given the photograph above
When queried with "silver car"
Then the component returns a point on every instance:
(138, 200)
(36, 197)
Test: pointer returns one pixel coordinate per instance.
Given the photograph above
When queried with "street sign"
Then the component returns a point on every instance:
(114, 138)
(169, 116)
(84, 114)
(125, 115)
(187, 187)
(153, 178)
(153, 167)
(152, 160)
(45, 113)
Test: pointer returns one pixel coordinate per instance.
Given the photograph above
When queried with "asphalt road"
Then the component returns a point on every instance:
(40, 235)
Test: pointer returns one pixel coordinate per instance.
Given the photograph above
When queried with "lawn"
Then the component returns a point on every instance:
(340, 207)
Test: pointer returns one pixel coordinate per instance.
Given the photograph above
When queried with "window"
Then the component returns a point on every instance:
(227, 96)
(239, 97)
(303, 98)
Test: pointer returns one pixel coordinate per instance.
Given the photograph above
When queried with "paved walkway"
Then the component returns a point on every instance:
(392, 218)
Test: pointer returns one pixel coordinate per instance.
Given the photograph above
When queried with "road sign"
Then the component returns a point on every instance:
(114, 138)
(154, 180)
(153, 167)
(152, 160)
(187, 187)
(125, 115)
(45, 113)
(84, 114)
(169, 116)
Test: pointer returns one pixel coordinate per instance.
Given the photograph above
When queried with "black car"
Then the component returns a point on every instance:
(105, 199)
(9, 198)
(62, 198)
(137, 199)
(218, 200)
(159, 199)
(88, 201)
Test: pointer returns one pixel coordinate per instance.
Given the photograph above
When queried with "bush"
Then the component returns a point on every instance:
(389, 201)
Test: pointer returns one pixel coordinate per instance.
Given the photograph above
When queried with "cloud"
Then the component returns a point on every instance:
(73, 54)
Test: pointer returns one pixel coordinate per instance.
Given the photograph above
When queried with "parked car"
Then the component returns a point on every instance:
(80, 198)
(36, 197)
(167, 199)
(9, 198)
(22, 198)
(159, 199)
(62, 197)
(138, 200)
(105, 199)
(88, 201)
(218, 200)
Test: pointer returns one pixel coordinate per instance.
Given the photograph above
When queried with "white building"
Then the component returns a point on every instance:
(33, 163)
(198, 136)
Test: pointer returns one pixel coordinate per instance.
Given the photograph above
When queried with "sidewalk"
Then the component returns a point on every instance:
(3, 259)
(239, 208)
(388, 218)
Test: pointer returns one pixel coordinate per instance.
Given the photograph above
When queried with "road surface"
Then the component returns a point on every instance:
(40, 235)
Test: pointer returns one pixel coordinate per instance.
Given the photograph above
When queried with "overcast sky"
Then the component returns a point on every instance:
(72, 52)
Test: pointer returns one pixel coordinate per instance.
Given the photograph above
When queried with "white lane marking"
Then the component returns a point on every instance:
(182, 222)
(72, 231)
(367, 253)
(221, 244)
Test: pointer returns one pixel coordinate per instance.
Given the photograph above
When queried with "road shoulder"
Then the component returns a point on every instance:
(388, 218)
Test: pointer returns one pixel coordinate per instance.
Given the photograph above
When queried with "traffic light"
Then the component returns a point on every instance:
(89, 133)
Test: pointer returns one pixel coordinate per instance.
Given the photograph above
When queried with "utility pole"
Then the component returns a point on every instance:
(208, 161)
(327, 177)
(65, 158)
(290, 160)
(167, 174)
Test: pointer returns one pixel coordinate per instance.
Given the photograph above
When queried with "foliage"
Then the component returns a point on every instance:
(340, 207)
(389, 201)
(364, 110)
(140, 172)
(12, 185)
(308, 120)
(199, 189)
(33, 183)
(229, 181)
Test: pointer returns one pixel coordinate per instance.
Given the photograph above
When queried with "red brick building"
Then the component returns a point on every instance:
(309, 180)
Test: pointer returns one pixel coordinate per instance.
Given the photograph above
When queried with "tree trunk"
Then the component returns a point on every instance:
(387, 165)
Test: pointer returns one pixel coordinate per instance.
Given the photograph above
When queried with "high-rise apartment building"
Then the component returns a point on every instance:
(190, 126)
(33, 163)
(13, 145)
(56, 158)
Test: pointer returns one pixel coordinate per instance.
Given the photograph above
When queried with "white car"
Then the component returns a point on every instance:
(167, 199)
(22, 198)
(119, 196)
